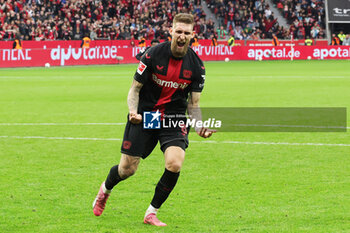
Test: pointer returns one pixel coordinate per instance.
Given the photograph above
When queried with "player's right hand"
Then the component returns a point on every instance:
(135, 118)
(205, 132)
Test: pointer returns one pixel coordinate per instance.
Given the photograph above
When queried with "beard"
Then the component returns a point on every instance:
(178, 49)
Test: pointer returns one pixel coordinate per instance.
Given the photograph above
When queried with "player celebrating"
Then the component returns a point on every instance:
(169, 80)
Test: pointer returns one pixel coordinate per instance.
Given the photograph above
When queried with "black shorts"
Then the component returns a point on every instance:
(140, 142)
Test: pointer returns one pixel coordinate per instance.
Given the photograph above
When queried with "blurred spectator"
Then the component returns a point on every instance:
(275, 41)
(335, 40)
(308, 41)
(221, 32)
(341, 37)
(194, 41)
(346, 41)
(93, 35)
(142, 42)
(231, 41)
(17, 44)
(214, 41)
(85, 43)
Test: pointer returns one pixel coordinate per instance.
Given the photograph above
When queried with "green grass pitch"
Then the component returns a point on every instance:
(50, 174)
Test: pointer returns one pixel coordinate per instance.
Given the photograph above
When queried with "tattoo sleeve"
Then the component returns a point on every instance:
(193, 108)
(133, 96)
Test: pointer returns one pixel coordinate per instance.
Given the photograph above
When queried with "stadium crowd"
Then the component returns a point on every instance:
(306, 17)
(246, 19)
(151, 19)
(100, 19)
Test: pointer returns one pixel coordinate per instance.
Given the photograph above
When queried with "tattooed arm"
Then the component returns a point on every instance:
(133, 102)
(195, 113)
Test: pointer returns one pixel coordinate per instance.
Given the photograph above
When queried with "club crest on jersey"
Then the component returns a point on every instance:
(187, 73)
(141, 68)
(126, 145)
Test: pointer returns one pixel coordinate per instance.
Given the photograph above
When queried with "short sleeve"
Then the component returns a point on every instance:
(199, 78)
(144, 68)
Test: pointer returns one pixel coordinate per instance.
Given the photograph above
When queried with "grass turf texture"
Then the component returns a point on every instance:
(49, 185)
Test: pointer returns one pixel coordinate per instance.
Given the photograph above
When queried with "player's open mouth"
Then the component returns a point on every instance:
(181, 44)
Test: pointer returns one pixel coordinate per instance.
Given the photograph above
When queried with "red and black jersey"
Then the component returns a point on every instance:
(168, 80)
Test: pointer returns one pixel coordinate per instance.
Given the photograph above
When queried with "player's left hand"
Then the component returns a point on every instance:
(135, 118)
(205, 132)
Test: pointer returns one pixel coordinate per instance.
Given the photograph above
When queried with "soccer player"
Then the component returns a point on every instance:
(168, 80)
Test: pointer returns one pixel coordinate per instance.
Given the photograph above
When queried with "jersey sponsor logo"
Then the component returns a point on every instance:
(160, 68)
(187, 73)
(151, 120)
(171, 84)
(126, 145)
(147, 56)
(141, 68)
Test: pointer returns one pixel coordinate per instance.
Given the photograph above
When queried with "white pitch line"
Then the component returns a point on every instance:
(274, 143)
(299, 77)
(61, 138)
(293, 126)
(221, 75)
(214, 142)
(286, 143)
(248, 125)
(109, 75)
(14, 124)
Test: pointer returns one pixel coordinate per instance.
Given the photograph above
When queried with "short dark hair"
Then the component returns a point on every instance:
(183, 18)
